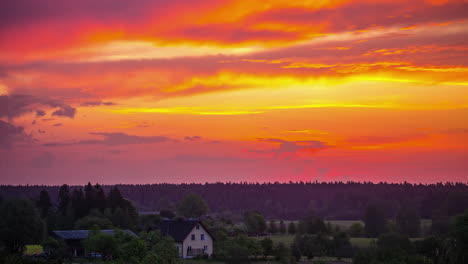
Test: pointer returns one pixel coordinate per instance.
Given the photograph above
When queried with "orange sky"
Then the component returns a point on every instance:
(202, 91)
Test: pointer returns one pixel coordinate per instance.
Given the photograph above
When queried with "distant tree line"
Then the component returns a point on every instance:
(239, 239)
(288, 201)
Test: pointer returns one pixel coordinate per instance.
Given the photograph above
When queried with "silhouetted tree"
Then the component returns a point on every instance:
(148, 222)
(90, 196)
(312, 224)
(121, 218)
(333, 200)
(100, 201)
(255, 222)
(192, 205)
(20, 224)
(115, 198)
(44, 204)
(459, 246)
(374, 220)
(408, 221)
(78, 203)
(63, 199)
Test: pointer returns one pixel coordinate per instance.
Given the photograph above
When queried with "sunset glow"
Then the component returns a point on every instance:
(204, 91)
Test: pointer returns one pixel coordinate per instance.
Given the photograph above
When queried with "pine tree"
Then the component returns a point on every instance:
(63, 199)
(374, 220)
(79, 204)
(100, 198)
(44, 203)
(90, 196)
(115, 198)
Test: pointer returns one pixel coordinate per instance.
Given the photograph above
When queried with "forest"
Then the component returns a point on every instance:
(247, 235)
(288, 201)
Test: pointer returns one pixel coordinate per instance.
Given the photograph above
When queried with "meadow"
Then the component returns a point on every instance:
(358, 242)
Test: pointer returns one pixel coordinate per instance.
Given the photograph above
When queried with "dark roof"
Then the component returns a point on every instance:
(179, 229)
(83, 234)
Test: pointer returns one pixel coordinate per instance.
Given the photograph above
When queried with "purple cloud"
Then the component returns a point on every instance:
(10, 134)
(291, 146)
(40, 113)
(16, 105)
(193, 138)
(97, 103)
(113, 139)
(65, 110)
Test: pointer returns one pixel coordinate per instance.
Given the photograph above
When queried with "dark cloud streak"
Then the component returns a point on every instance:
(286, 147)
(16, 105)
(10, 134)
(96, 103)
(114, 139)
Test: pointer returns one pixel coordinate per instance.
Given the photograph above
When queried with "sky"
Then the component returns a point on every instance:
(117, 91)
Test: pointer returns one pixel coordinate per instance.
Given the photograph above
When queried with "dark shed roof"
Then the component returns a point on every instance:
(179, 229)
(83, 234)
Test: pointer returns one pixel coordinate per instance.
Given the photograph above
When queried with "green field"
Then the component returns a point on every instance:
(33, 249)
(361, 242)
(285, 239)
(344, 224)
(288, 240)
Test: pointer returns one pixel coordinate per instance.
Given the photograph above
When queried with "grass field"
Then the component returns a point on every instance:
(344, 224)
(285, 239)
(288, 240)
(33, 249)
(361, 242)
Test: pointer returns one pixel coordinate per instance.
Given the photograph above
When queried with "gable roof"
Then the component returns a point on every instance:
(179, 229)
(83, 234)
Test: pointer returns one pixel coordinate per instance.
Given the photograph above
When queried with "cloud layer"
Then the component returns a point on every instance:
(288, 90)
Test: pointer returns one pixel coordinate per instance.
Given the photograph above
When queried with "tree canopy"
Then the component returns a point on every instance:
(20, 224)
(192, 206)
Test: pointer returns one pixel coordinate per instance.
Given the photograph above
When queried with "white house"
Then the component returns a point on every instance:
(191, 237)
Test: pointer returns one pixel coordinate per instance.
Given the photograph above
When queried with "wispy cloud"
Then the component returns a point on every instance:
(112, 139)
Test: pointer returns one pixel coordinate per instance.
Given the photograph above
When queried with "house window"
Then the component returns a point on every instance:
(202, 237)
(205, 248)
(197, 227)
(193, 237)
